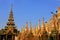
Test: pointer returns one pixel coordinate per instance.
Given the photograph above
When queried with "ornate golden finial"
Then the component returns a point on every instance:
(11, 18)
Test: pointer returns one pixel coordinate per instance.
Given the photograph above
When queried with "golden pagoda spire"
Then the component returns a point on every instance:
(22, 30)
(58, 13)
(43, 25)
(39, 24)
(30, 27)
(11, 15)
(26, 29)
(11, 18)
(43, 29)
(54, 23)
(58, 8)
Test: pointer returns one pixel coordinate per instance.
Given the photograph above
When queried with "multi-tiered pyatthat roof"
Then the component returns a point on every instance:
(10, 28)
(11, 19)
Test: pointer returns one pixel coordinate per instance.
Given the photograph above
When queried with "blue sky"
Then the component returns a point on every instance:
(27, 10)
